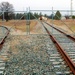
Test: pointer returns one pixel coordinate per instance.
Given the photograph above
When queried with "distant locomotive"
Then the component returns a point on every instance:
(43, 18)
(40, 17)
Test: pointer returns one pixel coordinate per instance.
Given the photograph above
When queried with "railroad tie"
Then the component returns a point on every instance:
(2, 64)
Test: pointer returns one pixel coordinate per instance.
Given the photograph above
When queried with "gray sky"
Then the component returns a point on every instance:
(41, 4)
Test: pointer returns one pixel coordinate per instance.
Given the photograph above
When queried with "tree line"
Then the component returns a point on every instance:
(7, 13)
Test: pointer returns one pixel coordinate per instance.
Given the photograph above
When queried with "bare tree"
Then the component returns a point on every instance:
(7, 8)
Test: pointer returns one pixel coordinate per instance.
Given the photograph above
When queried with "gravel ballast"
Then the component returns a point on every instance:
(28, 55)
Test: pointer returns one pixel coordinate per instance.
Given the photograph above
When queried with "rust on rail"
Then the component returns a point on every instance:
(62, 52)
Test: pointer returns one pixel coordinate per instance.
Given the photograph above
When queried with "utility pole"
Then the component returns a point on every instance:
(52, 19)
(71, 9)
(28, 21)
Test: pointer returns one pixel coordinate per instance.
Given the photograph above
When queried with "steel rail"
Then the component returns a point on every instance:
(69, 36)
(3, 40)
(62, 52)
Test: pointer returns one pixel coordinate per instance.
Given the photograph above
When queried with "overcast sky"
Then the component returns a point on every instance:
(20, 5)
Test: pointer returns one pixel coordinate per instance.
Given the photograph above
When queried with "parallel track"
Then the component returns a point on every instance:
(69, 36)
(65, 45)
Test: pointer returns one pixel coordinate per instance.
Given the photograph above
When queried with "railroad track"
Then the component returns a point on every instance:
(60, 30)
(62, 57)
(65, 45)
(3, 35)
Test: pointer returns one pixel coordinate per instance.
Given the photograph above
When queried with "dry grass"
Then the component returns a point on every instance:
(69, 22)
(19, 24)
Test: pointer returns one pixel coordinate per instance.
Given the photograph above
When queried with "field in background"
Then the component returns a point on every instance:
(19, 24)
